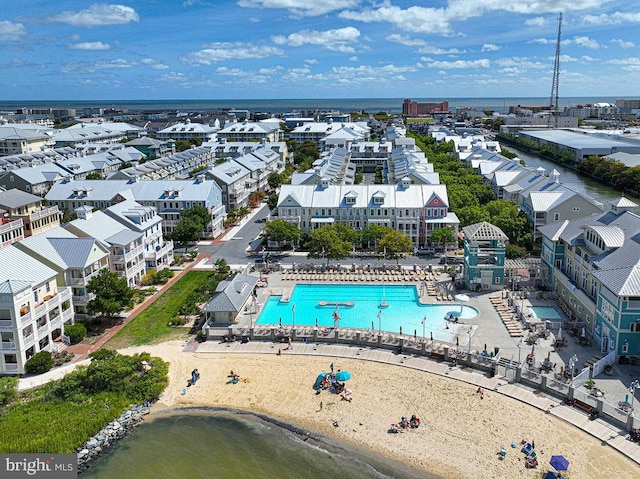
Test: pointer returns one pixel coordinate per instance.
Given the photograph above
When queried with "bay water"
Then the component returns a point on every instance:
(199, 443)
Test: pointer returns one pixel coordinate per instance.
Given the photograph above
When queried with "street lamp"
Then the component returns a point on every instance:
(379, 322)
(293, 315)
(632, 389)
(424, 322)
(470, 331)
(519, 351)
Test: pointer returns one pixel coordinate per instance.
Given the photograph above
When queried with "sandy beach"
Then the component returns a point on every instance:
(461, 432)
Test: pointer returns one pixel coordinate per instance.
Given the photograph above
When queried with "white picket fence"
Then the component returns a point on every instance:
(608, 360)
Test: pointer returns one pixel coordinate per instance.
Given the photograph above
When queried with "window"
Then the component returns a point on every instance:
(588, 319)
(556, 217)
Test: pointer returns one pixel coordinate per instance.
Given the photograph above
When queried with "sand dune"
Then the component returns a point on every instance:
(460, 436)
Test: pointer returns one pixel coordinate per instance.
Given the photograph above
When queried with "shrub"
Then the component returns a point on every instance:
(164, 275)
(8, 389)
(149, 278)
(76, 332)
(40, 363)
(178, 321)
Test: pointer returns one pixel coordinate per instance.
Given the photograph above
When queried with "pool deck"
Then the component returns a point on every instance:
(488, 332)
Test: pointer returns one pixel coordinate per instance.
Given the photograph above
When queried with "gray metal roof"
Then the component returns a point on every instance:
(16, 265)
(231, 294)
(15, 198)
(74, 251)
(484, 231)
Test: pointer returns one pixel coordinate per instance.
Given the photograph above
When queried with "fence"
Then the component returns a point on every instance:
(599, 365)
(581, 378)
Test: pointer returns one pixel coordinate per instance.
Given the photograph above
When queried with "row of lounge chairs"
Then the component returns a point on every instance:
(565, 309)
(362, 276)
(506, 315)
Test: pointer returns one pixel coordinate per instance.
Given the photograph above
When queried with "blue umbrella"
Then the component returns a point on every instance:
(343, 376)
(559, 463)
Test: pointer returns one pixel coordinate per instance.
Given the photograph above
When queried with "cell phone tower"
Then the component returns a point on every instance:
(553, 100)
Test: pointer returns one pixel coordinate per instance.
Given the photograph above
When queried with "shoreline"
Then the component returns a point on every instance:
(390, 467)
(461, 432)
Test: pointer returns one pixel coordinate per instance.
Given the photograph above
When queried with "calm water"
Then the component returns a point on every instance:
(545, 312)
(371, 105)
(222, 445)
(404, 309)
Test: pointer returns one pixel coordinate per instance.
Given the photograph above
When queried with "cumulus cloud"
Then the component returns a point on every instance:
(521, 63)
(405, 40)
(616, 18)
(631, 64)
(301, 8)
(535, 22)
(490, 47)
(11, 31)
(337, 40)
(97, 15)
(222, 51)
(584, 42)
(623, 43)
(439, 20)
(458, 64)
(90, 46)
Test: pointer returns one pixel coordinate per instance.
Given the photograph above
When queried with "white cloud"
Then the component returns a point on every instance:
(222, 51)
(585, 42)
(623, 43)
(405, 40)
(541, 41)
(367, 73)
(353, 59)
(336, 40)
(159, 66)
(430, 50)
(631, 64)
(490, 47)
(98, 14)
(11, 31)
(310, 61)
(440, 20)
(521, 63)
(616, 18)
(458, 64)
(90, 46)
(301, 8)
(536, 22)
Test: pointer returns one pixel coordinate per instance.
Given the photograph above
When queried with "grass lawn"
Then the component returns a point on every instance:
(151, 325)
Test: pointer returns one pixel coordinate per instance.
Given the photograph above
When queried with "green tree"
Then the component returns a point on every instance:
(443, 236)
(394, 245)
(193, 221)
(326, 242)
(39, 363)
(112, 294)
(182, 145)
(281, 231)
(373, 233)
(76, 332)
(275, 180)
(272, 201)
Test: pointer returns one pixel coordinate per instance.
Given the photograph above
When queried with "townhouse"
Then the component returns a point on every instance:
(28, 208)
(168, 197)
(251, 131)
(415, 210)
(187, 130)
(15, 140)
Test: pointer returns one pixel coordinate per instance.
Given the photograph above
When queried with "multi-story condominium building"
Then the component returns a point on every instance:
(11, 230)
(87, 133)
(414, 108)
(15, 140)
(75, 260)
(34, 309)
(415, 210)
(126, 247)
(168, 197)
(35, 217)
(36, 179)
(593, 264)
(232, 149)
(188, 130)
(235, 182)
(317, 131)
(152, 147)
(251, 131)
(158, 252)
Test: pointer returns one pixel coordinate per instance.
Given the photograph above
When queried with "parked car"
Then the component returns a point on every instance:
(425, 251)
(446, 259)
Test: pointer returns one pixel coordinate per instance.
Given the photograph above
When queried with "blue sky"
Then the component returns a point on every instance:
(270, 49)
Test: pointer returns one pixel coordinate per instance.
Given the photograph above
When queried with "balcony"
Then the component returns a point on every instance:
(8, 345)
(6, 324)
(43, 213)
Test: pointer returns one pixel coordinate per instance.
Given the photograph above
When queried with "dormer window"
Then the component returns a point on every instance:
(378, 200)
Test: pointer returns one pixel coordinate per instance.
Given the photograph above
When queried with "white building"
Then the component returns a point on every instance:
(34, 309)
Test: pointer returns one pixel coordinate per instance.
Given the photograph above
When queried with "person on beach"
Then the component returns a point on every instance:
(321, 405)
(279, 353)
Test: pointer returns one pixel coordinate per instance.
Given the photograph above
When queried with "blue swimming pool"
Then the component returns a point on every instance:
(358, 306)
(545, 312)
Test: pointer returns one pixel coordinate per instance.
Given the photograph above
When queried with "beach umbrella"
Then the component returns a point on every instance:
(316, 322)
(400, 330)
(462, 298)
(343, 376)
(559, 463)
(559, 338)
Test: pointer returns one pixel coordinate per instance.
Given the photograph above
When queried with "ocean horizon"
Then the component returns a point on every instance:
(280, 106)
